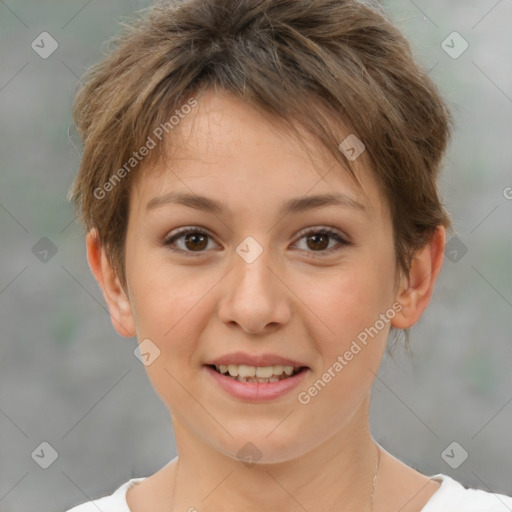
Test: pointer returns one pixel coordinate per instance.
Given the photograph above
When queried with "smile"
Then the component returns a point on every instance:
(256, 383)
(262, 374)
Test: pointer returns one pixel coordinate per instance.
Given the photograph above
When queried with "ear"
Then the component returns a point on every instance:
(415, 291)
(118, 303)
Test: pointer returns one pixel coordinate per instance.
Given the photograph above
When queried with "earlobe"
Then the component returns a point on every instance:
(416, 289)
(117, 301)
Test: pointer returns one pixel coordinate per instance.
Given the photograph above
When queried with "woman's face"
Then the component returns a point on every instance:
(268, 271)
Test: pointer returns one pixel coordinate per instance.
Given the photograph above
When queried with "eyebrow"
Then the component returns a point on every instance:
(296, 205)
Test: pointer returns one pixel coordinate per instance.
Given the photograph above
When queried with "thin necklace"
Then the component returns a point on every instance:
(375, 479)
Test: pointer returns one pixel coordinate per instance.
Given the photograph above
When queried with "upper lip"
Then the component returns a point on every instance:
(239, 358)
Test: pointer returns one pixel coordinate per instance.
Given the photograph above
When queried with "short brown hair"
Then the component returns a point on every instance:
(306, 62)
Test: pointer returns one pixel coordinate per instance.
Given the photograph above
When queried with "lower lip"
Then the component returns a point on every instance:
(257, 391)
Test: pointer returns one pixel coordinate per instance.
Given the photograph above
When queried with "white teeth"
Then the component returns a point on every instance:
(247, 373)
(288, 370)
(278, 369)
(264, 372)
(233, 370)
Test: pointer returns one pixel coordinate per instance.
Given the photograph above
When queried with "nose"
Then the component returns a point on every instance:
(254, 297)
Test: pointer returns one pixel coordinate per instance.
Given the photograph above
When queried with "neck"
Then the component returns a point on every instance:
(338, 473)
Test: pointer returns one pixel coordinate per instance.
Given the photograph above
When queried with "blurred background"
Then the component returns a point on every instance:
(69, 381)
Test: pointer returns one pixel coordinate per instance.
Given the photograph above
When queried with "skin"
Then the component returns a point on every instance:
(293, 301)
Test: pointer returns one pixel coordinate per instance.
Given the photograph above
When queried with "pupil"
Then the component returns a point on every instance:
(194, 237)
(315, 239)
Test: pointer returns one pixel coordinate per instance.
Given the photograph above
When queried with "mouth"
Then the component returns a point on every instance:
(261, 374)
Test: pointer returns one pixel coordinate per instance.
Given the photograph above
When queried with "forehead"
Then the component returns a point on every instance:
(225, 144)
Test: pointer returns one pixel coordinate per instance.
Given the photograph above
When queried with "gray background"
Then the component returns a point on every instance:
(68, 379)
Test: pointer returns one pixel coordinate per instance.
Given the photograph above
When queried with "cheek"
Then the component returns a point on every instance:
(352, 336)
(171, 311)
(172, 315)
(162, 295)
(169, 308)
(352, 297)
(351, 348)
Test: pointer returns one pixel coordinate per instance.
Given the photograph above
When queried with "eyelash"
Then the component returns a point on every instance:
(319, 231)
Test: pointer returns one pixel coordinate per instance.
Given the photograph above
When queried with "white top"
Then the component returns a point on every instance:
(450, 497)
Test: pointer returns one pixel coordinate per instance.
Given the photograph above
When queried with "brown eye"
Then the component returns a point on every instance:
(189, 241)
(196, 241)
(318, 241)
